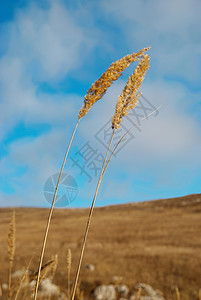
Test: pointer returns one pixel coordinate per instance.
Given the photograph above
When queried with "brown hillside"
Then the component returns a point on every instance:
(156, 242)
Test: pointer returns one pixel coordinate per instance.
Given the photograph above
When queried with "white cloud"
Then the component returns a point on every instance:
(171, 28)
(48, 41)
(45, 45)
(42, 45)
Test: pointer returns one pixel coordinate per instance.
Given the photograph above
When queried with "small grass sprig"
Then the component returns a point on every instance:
(11, 251)
(69, 262)
(177, 293)
(46, 268)
(130, 95)
(24, 278)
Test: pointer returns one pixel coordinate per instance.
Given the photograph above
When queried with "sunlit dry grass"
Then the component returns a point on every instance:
(154, 242)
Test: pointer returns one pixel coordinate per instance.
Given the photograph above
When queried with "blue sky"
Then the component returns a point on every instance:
(50, 54)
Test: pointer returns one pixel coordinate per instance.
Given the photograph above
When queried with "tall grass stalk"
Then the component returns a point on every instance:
(94, 94)
(126, 101)
(50, 213)
(89, 221)
(199, 294)
(104, 167)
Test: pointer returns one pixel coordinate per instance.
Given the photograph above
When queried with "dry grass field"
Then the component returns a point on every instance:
(155, 242)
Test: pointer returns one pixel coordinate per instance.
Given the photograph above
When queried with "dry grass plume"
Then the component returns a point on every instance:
(129, 96)
(95, 93)
(177, 293)
(99, 88)
(126, 101)
(11, 251)
(46, 268)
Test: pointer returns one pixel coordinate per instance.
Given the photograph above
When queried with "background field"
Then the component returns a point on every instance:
(156, 242)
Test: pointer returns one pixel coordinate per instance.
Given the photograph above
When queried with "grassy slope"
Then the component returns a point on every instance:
(157, 242)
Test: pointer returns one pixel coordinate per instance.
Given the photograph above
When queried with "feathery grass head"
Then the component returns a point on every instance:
(177, 293)
(46, 268)
(69, 259)
(99, 88)
(11, 238)
(129, 96)
(54, 265)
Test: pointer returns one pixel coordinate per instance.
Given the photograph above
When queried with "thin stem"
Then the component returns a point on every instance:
(68, 270)
(23, 278)
(104, 167)
(10, 279)
(51, 211)
(89, 221)
(199, 294)
(69, 284)
(177, 293)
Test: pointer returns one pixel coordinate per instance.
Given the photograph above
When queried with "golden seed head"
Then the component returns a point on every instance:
(11, 238)
(45, 269)
(130, 95)
(69, 259)
(99, 88)
(55, 263)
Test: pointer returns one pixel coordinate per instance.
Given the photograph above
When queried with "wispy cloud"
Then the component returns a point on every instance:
(56, 45)
(171, 28)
